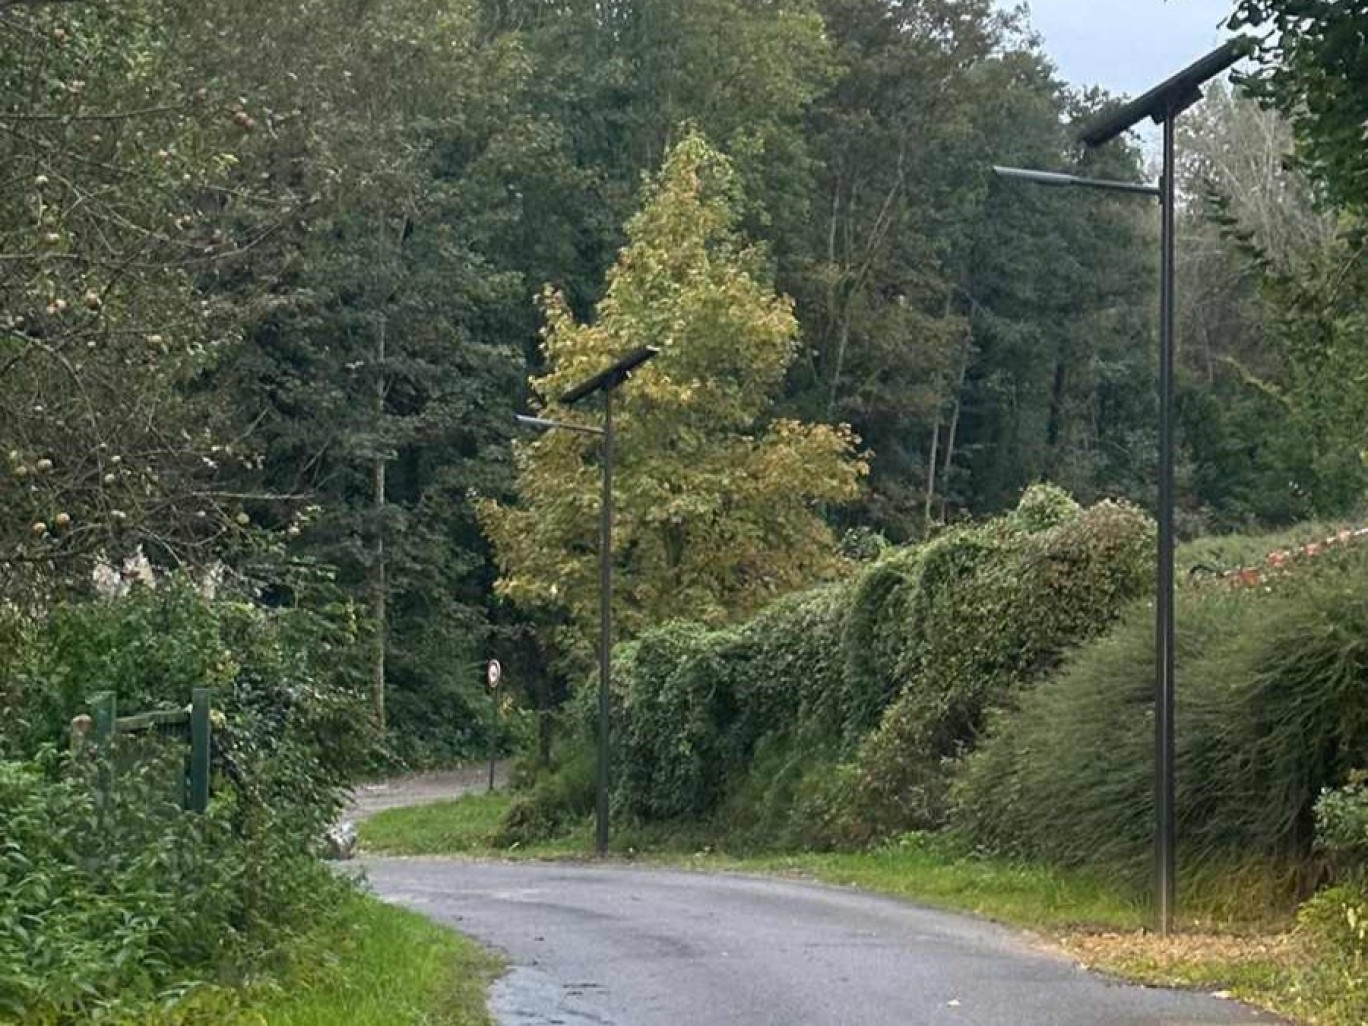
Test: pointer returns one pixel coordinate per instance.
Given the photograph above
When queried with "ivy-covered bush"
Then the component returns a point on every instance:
(694, 702)
(992, 608)
(111, 894)
(1272, 710)
(769, 722)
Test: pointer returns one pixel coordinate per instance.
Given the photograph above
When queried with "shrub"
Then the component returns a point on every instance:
(109, 893)
(873, 638)
(763, 722)
(992, 607)
(110, 902)
(695, 702)
(554, 801)
(1342, 823)
(1336, 923)
(1272, 710)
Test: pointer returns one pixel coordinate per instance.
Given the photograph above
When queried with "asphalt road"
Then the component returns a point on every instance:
(423, 789)
(645, 947)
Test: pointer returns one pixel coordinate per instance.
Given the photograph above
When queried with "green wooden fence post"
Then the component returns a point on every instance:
(200, 736)
(105, 708)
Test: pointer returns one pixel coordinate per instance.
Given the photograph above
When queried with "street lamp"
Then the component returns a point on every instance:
(606, 382)
(1162, 104)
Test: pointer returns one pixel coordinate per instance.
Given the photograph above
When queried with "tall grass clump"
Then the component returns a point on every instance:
(1272, 710)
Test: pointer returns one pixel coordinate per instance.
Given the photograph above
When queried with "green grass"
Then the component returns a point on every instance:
(442, 828)
(390, 967)
(1034, 897)
(371, 964)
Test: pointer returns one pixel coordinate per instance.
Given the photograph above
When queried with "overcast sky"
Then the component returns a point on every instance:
(1126, 46)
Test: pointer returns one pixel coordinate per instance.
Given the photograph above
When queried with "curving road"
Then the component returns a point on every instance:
(632, 947)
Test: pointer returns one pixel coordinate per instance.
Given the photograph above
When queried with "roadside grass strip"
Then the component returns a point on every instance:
(451, 827)
(388, 967)
(371, 964)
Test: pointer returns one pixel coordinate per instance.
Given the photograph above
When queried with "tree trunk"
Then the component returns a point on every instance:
(931, 474)
(380, 593)
(954, 427)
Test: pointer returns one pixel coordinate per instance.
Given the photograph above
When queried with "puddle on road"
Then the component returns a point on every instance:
(529, 997)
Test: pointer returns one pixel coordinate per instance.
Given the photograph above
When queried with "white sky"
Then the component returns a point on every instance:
(1125, 46)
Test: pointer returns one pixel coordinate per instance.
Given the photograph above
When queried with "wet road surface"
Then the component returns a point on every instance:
(625, 946)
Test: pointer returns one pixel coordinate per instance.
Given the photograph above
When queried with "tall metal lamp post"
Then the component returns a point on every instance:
(1162, 104)
(606, 382)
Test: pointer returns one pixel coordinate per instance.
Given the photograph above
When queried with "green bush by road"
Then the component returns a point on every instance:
(831, 717)
(113, 899)
(1273, 710)
(367, 964)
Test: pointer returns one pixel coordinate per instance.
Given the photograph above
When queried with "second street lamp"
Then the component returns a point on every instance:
(606, 382)
(1162, 104)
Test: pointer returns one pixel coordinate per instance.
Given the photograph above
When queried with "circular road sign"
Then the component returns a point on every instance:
(493, 673)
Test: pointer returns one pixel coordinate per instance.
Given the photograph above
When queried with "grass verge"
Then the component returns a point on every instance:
(371, 964)
(461, 826)
(388, 967)
(1250, 952)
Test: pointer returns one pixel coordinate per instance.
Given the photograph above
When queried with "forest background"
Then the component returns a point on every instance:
(269, 280)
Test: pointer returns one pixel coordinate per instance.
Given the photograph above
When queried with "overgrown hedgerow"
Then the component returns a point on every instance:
(992, 608)
(769, 722)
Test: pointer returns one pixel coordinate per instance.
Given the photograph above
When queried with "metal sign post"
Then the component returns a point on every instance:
(493, 674)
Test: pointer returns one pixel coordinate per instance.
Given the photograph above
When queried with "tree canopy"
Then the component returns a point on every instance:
(269, 285)
(717, 502)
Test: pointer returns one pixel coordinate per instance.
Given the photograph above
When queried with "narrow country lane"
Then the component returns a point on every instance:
(644, 947)
(424, 789)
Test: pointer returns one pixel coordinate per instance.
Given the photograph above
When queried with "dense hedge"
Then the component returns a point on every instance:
(770, 722)
(111, 897)
(994, 607)
(1272, 712)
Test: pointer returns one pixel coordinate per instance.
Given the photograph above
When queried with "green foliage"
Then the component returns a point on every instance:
(1336, 921)
(377, 965)
(771, 725)
(714, 498)
(378, 368)
(557, 800)
(695, 702)
(1273, 317)
(1342, 822)
(669, 753)
(1312, 68)
(118, 902)
(110, 895)
(118, 210)
(993, 608)
(1271, 712)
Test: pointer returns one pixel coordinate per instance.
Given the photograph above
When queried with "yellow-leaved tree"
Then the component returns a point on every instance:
(716, 502)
